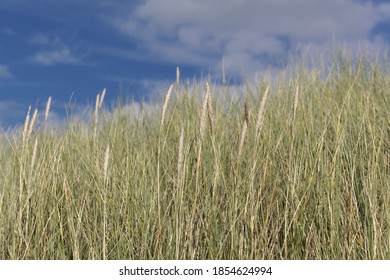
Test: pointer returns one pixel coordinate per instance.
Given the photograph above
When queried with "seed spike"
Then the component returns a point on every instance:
(165, 105)
(48, 104)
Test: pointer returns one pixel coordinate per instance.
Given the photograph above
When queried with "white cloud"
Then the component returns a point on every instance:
(123, 53)
(41, 39)
(11, 112)
(4, 72)
(53, 51)
(60, 56)
(150, 89)
(202, 32)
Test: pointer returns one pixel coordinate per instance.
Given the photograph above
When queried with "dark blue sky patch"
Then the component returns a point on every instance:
(382, 29)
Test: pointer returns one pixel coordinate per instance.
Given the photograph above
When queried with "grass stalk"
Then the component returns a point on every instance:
(203, 178)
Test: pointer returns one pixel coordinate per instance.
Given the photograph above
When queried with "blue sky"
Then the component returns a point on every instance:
(76, 48)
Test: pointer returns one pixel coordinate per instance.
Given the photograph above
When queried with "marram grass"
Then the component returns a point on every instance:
(309, 178)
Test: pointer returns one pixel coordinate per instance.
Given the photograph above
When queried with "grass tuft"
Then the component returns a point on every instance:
(309, 178)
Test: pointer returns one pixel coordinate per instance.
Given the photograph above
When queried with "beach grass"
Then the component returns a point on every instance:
(285, 168)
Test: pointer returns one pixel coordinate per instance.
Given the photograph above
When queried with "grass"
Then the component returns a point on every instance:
(296, 170)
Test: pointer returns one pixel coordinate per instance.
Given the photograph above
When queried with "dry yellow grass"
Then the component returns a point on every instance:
(144, 190)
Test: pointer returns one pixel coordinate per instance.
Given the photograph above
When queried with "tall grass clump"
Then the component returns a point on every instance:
(293, 168)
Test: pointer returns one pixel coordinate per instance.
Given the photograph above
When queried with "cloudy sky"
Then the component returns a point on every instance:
(64, 48)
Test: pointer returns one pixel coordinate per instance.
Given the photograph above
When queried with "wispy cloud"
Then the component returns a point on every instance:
(246, 33)
(40, 39)
(11, 112)
(54, 51)
(149, 89)
(4, 72)
(60, 56)
(123, 53)
(7, 31)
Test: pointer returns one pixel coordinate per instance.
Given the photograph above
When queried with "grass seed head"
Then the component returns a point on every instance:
(247, 111)
(33, 158)
(48, 104)
(203, 113)
(260, 115)
(295, 106)
(180, 157)
(97, 103)
(210, 107)
(242, 141)
(96, 116)
(31, 127)
(165, 105)
(102, 98)
(105, 164)
(26, 123)
(177, 75)
(296, 95)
